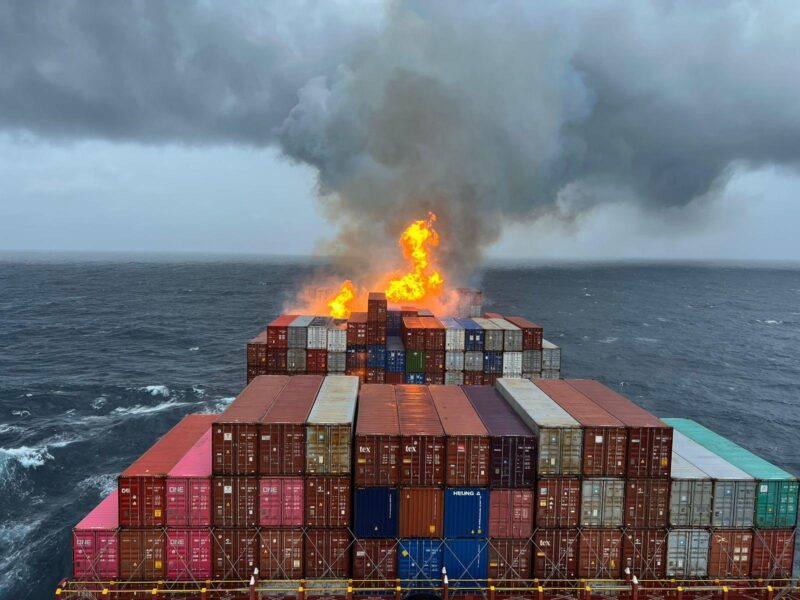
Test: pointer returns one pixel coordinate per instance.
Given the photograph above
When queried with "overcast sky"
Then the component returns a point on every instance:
(203, 129)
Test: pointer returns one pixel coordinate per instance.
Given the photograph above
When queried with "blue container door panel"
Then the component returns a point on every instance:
(466, 512)
(466, 562)
(376, 512)
(419, 562)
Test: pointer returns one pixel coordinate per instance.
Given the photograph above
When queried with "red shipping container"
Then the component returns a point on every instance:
(647, 503)
(357, 329)
(467, 441)
(375, 562)
(730, 553)
(189, 487)
(189, 554)
(281, 502)
(600, 554)
(235, 501)
(142, 490)
(434, 333)
(142, 554)
(235, 553)
(234, 441)
(555, 554)
(317, 361)
(491, 378)
(421, 512)
(376, 333)
(413, 333)
(255, 371)
(328, 501)
(282, 437)
(376, 307)
(257, 350)
(510, 561)
(282, 554)
(395, 378)
(422, 441)
(773, 553)
(376, 376)
(511, 513)
(356, 361)
(473, 377)
(532, 333)
(649, 451)
(377, 437)
(434, 361)
(95, 544)
(434, 378)
(644, 552)
(605, 437)
(277, 363)
(278, 331)
(360, 373)
(558, 502)
(327, 553)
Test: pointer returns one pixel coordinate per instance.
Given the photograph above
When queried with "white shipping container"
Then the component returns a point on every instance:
(492, 335)
(318, 333)
(512, 364)
(337, 362)
(551, 355)
(453, 335)
(473, 361)
(454, 378)
(337, 336)
(454, 361)
(531, 374)
(512, 335)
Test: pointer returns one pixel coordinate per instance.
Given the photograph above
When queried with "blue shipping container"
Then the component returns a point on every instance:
(375, 512)
(419, 562)
(395, 355)
(466, 512)
(418, 378)
(473, 335)
(492, 362)
(376, 357)
(466, 562)
(394, 322)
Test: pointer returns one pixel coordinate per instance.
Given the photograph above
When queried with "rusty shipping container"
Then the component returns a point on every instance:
(278, 331)
(375, 562)
(510, 513)
(357, 329)
(558, 502)
(282, 431)
(532, 333)
(467, 441)
(235, 553)
(234, 441)
(555, 554)
(327, 553)
(328, 501)
(377, 443)
(649, 439)
(421, 512)
(510, 561)
(644, 552)
(281, 554)
(773, 553)
(235, 501)
(605, 437)
(142, 554)
(647, 503)
(512, 459)
(142, 486)
(329, 429)
(729, 553)
(600, 554)
(422, 441)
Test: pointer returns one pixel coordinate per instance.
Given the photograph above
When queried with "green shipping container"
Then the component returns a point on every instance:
(776, 490)
(415, 361)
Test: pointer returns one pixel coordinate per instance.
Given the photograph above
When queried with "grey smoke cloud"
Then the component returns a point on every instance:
(487, 113)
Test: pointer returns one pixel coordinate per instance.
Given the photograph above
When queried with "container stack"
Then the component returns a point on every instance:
(469, 303)
(377, 323)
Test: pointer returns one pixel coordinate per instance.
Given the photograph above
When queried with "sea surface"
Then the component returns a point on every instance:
(101, 355)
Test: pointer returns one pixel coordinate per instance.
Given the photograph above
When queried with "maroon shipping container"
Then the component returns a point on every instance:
(317, 361)
(491, 378)
(377, 439)
(234, 442)
(277, 363)
(649, 451)
(328, 501)
(509, 561)
(434, 378)
(376, 376)
(376, 333)
(278, 331)
(142, 554)
(357, 361)
(434, 362)
(647, 503)
(375, 562)
(532, 333)
(511, 513)
(235, 553)
(95, 544)
(188, 487)
(467, 441)
(255, 371)
(395, 378)
(434, 333)
(644, 552)
(600, 554)
(412, 333)
(473, 377)
(235, 501)
(282, 432)
(512, 461)
(282, 554)
(605, 437)
(357, 329)
(142, 489)
(558, 502)
(281, 502)
(360, 373)
(730, 553)
(257, 350)
(189, 554)
(327, 553)
(773, 553)
(555, 554)
(422, 441)
(376, 307)
(421, 512)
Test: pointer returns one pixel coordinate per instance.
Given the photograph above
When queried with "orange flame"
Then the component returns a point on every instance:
(417, 242)
(339, 304)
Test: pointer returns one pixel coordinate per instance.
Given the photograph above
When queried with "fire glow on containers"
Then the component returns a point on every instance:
(422, 282)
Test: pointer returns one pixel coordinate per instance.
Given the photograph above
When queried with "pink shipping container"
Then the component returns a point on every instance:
(282, 501)
(511, 513)
(189, 554)
(95, 544)
(189, 487)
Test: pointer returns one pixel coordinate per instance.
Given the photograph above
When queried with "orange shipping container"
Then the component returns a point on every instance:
(421, 512)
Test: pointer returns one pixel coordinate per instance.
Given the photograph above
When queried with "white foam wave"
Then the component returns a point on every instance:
(647, 340)
(98, 402)
(140, 409)
(105, 482)
(21, 413)
(27, 456)
(608, 340)
(194, 348)
(198, 391)
(15, 537)
(217, 406)
(156, 390)
(6, 428)
(770, 322)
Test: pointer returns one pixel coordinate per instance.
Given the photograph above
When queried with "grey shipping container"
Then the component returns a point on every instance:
(297, 332)
(602, 502)
(531, 361)
(549, 374)
(296, 360)
(512, 335)
(473, 361)
(691, 494)
(453, 378)
(454, 361)
(317, 337)
(337, 362)
(337, 336)
(560, 436)
(329, 429)
(551, 356)
(687, 553)
(492, 335)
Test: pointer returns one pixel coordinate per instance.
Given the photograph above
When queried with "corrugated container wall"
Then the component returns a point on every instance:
(602, 502)
(281, 502)
(691, 493)
(328, 501)
(600, 554)
(558, 502)
(466, 512)
(318, 333)
(235, 553)
(510, 561)
(422, 441)
(687, 553)
(142, 554)
(281, 554)
(510, 513)
(376, 512)
(473, 335)
(329, 429)
(512, 335)
(551, 356)
(773, 553)
(421, 512)
(327, 553)
(189, 554)
(95, 543)
(377, 444)
(644, 552)
(454, 335)
(492, 335)
(729, 553)
(188, 487)
(277, 331)
(419, 563)
(375, 562)
(466, 561)
(556, 553)
(337, 335)
(647, 503)
(235, 501)
(531, 333)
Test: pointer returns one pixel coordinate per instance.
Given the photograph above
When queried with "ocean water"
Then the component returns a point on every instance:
(100, 356)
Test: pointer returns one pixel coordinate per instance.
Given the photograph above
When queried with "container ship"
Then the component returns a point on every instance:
(398, 455)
